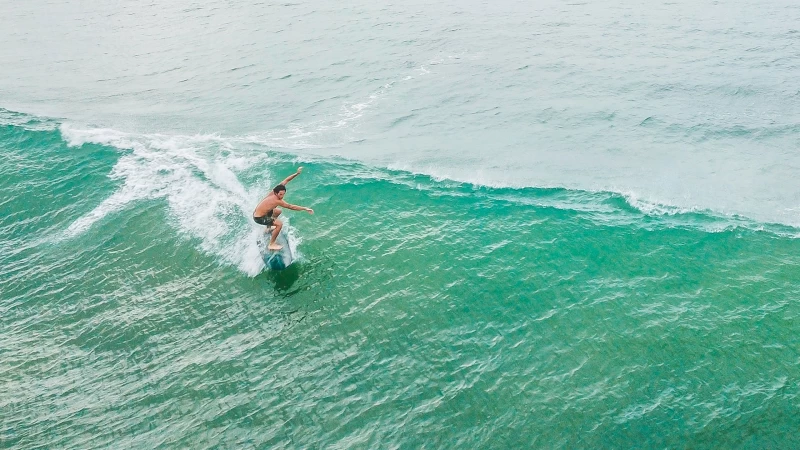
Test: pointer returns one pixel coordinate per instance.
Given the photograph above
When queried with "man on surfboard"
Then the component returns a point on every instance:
(267, 211)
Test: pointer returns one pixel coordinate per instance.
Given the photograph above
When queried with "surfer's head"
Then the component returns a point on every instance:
(279, 190)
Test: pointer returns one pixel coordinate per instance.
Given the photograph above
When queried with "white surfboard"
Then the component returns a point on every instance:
(276, 259)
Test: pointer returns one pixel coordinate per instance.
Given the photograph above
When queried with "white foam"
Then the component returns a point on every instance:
(653, 207)
(197, 176)
(199, 182)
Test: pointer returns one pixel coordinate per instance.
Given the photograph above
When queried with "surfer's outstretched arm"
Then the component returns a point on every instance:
(296, 207)
(292, 176)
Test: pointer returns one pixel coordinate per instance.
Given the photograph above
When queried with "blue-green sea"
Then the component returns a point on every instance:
(537, 224)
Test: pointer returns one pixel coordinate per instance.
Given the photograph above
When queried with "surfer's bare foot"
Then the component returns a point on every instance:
(275, 246)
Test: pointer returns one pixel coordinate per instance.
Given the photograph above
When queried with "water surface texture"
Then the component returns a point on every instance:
(538, 224)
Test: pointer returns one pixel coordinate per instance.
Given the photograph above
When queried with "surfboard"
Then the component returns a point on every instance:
(278, 259)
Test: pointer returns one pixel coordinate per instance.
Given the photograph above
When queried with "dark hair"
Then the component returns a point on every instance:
(278, 188)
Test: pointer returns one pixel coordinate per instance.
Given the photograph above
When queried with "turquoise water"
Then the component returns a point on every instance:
(537, 226)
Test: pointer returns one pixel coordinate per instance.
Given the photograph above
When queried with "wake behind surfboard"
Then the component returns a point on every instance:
(280, 259)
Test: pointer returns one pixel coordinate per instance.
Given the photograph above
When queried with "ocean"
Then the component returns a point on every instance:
(537, 224)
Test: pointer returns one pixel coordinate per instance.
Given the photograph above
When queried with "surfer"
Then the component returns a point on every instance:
(267, 211)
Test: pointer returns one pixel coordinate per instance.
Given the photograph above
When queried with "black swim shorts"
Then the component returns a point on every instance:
(266, 219)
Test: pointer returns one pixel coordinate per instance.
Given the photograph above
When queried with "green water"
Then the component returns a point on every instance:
(537, 225)
(423, 313)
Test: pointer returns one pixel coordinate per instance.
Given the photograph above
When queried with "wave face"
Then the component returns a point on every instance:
(136, 308)
(537, 225)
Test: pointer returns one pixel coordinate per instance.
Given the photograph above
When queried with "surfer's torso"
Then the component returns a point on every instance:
(267, 205)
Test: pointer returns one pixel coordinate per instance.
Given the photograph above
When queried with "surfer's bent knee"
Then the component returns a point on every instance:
(276, 212)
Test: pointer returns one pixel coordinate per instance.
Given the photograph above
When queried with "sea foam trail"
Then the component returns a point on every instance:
(196, 175)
